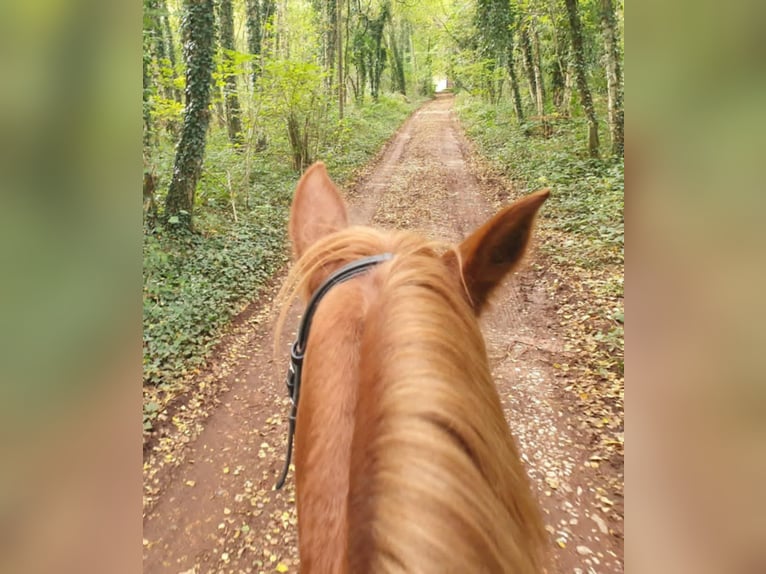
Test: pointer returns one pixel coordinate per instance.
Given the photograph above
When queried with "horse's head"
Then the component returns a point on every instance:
(401, 343)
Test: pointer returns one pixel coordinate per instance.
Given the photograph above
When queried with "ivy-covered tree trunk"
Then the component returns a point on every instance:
(557, 85)
(539, 82)
(526, 52)
(578, 54)
(360, 66)
(616, 112)
(171, 46)
(560, 50)
(147, 94)
(494, 21)
(279, 46)
(566, 98)
(299, 142)
(153, 14)
(269, 27)
(489, 82)
(231, 99)
(259, 15)
(339, 42)
(411, 48)
(254, 38)
(397, 64)
(198, 27)
(329, 42)
(378, 57)
(161, 73)
(515, 91)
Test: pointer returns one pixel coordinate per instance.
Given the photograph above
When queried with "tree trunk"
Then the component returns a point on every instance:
(345, 46)
(397, 62)
(233, 119)
(217, 102)
(558, 72)
(254, 38)
(269, 29)
(150, 205)
(557, 86)
(269, 13)
(284, 29)
(582, 80)
(330, 42)
(413, 59)
(539, 83)
(339, 39)
(378, 57)
(154, 16)
(615, 108)
(147, 93)
(529, 67)
(171, 46)
(514, 82)
(154, 12)
(259, 15)
(299, 143)
(199, 47)
(566, 98)
(277, 35)
(560, 50)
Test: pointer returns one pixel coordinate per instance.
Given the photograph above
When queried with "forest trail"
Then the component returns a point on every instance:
(209, 504)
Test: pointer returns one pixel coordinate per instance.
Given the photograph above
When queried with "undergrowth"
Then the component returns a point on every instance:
(194, 283)
(587, 194)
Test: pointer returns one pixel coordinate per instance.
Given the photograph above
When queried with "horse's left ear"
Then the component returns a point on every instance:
(497, 247)
(317, 209)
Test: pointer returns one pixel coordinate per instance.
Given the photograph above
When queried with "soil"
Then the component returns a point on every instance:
(209, 502)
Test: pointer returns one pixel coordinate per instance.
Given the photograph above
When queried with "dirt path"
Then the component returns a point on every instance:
(214, 511)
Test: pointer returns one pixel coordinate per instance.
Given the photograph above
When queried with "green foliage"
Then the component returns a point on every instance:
(293, 91)
(494, 24)
(369, 54)
(231, 64)
(195, 282)
(588, 194)
(476, 76)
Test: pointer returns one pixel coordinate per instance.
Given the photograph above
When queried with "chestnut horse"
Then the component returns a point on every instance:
(403, 459)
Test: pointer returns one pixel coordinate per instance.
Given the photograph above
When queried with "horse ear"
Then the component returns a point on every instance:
(317, 209)
(497, 247)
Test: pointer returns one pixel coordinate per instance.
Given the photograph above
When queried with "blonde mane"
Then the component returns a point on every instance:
(435, 481)
(337, 249)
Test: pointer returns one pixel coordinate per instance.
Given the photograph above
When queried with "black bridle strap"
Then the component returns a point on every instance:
(298, 349)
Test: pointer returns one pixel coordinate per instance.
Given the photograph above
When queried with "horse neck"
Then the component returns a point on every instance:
(435, 477)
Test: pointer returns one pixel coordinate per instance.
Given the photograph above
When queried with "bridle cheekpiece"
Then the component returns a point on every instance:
(298, 349)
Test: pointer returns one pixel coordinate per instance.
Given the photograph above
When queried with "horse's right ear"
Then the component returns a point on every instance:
(496, 248)
(317, 209)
